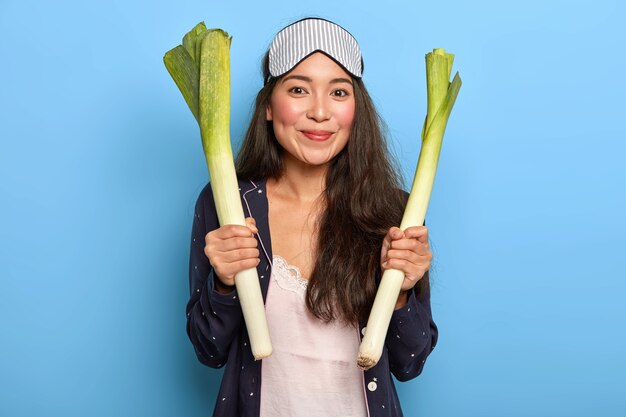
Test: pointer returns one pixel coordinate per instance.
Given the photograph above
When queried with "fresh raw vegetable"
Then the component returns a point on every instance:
(441, 96)
(201, 69)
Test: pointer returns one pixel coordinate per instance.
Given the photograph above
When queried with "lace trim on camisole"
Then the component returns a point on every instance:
(289, 277)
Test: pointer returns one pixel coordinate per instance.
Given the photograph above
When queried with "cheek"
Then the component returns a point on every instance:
(284, 112)
(345, 115)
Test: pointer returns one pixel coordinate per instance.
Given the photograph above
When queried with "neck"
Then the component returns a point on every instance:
(302, 182)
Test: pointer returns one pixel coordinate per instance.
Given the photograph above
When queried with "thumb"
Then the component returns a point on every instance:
(251, 223)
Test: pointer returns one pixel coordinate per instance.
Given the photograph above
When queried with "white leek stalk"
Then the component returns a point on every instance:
(201, 69)
(441, 96)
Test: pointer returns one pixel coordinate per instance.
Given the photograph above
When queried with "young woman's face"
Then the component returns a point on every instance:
(312, 109)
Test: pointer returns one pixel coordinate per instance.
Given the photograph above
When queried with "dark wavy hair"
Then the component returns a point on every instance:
(363, 199)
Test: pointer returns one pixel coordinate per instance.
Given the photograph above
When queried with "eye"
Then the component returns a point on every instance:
(340, 93)
(297, 90)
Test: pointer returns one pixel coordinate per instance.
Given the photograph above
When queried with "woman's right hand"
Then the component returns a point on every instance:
(231, 249)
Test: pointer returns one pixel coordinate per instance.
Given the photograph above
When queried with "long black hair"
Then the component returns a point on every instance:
(362, 200)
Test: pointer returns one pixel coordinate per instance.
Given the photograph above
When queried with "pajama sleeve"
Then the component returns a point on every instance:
(412, 335)
(213, 318)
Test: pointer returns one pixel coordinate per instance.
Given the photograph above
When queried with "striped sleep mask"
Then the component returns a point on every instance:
(300, 39)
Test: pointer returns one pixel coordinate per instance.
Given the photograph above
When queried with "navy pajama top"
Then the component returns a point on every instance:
(218, 333)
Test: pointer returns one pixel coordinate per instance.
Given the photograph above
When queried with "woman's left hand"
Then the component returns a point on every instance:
(408, 252)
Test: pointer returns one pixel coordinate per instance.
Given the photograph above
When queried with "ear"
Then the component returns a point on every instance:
(268, 113)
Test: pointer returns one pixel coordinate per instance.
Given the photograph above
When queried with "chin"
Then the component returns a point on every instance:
(317, 160)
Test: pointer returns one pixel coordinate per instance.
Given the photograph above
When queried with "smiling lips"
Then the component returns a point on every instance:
(317, 135)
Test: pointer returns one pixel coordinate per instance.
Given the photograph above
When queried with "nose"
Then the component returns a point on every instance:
(319, 109)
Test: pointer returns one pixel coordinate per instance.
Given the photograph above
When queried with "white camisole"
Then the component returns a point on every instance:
(312, 371)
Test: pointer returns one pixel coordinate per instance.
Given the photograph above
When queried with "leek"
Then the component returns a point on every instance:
(200, 68)
(441, 97)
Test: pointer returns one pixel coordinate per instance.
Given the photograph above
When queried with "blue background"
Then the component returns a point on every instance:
(101, 164)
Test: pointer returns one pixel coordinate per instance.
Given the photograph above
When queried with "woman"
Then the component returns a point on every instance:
(322, 199)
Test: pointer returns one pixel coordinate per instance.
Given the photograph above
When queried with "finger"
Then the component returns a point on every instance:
(409, 269)
(239, 255)
(215, 248)
(423, 249)
(415, 246)
(417, 232)
(231, 230)
(235, 243)
(396, 263)
(411, 243)
(406, 255)
(413, 260)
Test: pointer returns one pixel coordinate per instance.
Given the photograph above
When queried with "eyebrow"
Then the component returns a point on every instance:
(309, 80)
